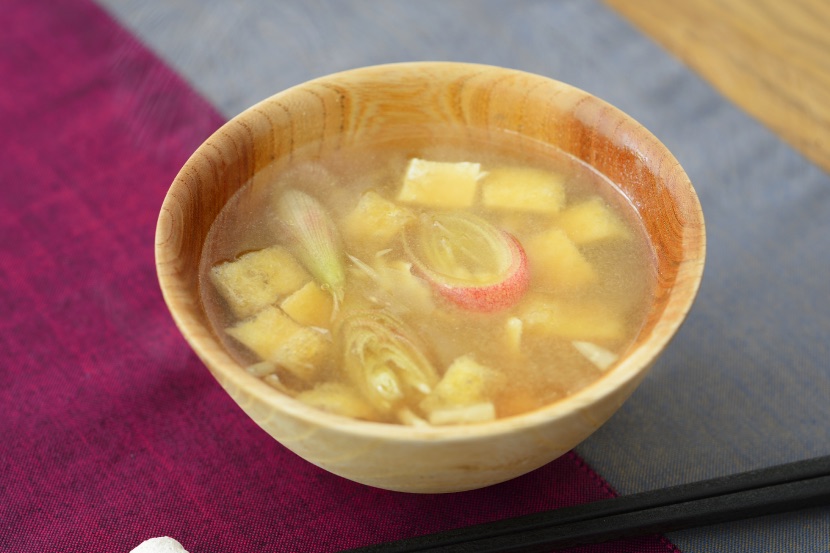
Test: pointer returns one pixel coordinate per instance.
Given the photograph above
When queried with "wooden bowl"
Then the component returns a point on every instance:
(364, 103)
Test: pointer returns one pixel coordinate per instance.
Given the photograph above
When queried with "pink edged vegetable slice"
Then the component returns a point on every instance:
(468, 261)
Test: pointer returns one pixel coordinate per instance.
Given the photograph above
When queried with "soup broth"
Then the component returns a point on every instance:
(448, 278)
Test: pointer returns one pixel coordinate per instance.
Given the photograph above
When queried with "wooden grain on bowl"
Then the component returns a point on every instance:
(382, 103)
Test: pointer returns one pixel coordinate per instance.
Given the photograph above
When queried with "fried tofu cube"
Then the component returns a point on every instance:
(375, 221)
(585, 321)
(258, 279)
(523, 189)
(338, 398)
(590, 221)
(556, 262)
(440, 184)
(276, 337)
(310, 306)
(466, 382)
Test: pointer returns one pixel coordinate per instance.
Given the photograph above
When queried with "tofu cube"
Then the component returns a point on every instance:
(466, 382)
(439, 184)
(523, 189)
(276, 337)
(556, 262)
(258, 279)
(310, 306)
(590, 221)
(585, 321)
(338, 398)
(375, 221)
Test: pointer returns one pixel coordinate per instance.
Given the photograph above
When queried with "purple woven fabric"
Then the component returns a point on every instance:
(112, 430)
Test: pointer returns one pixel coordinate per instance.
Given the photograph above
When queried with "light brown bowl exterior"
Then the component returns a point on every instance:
(358, 104)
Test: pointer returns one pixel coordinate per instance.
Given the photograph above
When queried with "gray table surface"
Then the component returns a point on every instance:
(746, 382)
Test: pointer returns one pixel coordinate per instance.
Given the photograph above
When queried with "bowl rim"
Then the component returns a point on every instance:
(633, 366)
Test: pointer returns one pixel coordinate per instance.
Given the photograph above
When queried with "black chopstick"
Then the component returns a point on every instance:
(777, 489)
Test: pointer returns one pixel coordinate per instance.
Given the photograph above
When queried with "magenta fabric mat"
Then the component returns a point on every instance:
(112, 430)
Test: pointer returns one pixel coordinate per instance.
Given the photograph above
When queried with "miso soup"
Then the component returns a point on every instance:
(440, 277)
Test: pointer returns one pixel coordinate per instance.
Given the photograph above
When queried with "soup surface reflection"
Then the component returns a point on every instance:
(454, 281)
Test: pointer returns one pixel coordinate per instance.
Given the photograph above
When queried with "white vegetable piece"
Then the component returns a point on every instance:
(513, 335)
(597, 355)
(461, 397)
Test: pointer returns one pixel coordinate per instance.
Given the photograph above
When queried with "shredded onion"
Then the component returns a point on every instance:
(468, 260)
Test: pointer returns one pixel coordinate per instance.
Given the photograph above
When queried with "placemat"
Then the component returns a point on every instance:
(745, 382)
(113, 432)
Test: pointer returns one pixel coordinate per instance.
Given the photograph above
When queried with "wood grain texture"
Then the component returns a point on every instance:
(388, 103)
(771, 58)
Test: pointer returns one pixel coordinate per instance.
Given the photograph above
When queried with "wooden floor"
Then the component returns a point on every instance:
(771, 57)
